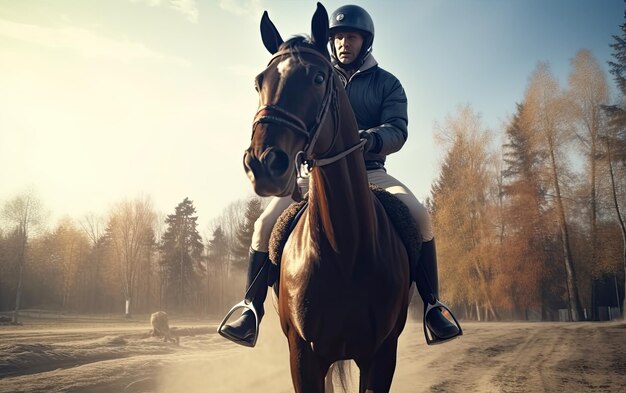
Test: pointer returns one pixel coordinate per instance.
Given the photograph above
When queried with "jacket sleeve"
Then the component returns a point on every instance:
(392, 132)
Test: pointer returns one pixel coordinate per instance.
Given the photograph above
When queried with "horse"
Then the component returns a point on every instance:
(343, 292)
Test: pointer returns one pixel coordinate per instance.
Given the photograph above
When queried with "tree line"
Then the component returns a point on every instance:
(130, 261)
(528, 227)
(533, 227)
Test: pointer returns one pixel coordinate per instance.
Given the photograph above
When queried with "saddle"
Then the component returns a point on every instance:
(396, 210)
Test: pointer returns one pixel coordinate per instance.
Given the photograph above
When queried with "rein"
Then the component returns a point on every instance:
(273, 114)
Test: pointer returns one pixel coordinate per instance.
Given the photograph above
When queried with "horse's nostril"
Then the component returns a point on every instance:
(276, 163)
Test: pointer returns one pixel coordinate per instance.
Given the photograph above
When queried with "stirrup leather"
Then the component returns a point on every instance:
(431, 338)
(245, 304)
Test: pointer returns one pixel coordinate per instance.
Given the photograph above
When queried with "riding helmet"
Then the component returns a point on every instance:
(352, 17)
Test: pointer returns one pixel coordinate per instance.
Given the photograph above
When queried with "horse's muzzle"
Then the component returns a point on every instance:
(271, 174)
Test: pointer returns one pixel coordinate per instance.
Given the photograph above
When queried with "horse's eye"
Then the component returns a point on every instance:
(319, 78)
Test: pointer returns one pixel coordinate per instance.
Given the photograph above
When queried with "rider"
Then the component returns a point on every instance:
(380, 106)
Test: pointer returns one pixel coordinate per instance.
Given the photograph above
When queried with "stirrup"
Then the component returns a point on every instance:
(432, 338)
(245, 305)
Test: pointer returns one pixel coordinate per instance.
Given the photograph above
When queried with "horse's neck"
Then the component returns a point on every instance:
(339, 197)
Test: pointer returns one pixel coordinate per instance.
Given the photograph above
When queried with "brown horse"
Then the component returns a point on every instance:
(344, 278)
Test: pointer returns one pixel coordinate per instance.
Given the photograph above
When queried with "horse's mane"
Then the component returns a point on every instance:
(298, 41)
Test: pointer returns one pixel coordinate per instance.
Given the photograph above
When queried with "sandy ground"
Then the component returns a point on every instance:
(86, 355)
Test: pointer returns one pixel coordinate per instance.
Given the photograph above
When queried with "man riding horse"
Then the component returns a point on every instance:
(380, 106)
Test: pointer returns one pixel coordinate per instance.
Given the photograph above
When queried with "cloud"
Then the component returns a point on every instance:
(83, 41)
(189, 8)
(242, 7)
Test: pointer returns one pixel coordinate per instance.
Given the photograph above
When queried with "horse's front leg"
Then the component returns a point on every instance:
(377, 373)
(307, 370)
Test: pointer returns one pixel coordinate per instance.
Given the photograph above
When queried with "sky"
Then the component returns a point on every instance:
(102, 101)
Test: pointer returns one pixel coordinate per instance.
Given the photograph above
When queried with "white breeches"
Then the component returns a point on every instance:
(264, 224)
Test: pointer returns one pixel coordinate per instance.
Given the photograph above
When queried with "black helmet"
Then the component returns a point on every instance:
(353, 17)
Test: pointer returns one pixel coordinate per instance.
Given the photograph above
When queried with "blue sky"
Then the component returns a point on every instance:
(105, 100)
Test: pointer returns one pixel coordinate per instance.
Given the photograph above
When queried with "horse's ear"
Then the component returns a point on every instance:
(270, 35)
(319, 28)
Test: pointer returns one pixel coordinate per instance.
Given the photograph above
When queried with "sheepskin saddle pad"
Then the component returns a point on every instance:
(396, 210)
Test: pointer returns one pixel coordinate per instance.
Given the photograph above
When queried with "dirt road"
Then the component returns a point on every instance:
(56, 356)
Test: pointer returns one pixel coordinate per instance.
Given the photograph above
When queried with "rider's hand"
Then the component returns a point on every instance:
(370, 140)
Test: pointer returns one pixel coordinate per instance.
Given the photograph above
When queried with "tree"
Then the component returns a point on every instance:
(527, 240)
(182, 248)
(588, 90)
(130, 232)
(93, 226)
(616, 123)
(24, 213)
(71, 248)
(615, 137)
(462, 216)
(546, 107)
(230, 221)
(159, 261)
(9, 242)
(217, 261)
(618, 67)
(245, 229)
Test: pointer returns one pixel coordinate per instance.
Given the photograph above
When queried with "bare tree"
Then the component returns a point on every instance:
(71, 248)
(24, 213)
(94, 227)
(588, 90)
(615, 124)
(130, 230)
(545, 102)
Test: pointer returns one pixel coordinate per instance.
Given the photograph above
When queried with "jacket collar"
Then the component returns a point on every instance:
(369, 63)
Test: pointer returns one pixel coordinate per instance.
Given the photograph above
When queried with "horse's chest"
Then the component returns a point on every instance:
(324, 304)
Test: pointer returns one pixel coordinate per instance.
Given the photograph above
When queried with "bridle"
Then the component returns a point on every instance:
(274, 114)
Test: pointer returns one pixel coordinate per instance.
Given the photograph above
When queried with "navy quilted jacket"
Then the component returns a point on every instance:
(380, 106)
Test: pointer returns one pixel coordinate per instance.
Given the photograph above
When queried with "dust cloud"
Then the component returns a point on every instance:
(229, 367)
(100, 356)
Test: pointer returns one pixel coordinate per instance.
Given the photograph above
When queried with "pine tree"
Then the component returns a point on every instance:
(618, 67)
(244, 232)
(617, 113)
(182, 247)
(615, 137)
(217, 261)
(527, 241)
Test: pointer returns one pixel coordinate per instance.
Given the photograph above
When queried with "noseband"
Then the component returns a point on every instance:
(274, 114)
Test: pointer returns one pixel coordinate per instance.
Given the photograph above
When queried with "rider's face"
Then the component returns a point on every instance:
(348, 46)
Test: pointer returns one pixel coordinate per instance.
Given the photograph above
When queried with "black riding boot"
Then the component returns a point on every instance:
(244, 330)
(439, 327)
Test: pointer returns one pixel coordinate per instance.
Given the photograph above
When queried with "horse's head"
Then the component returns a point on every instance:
(295, 92)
